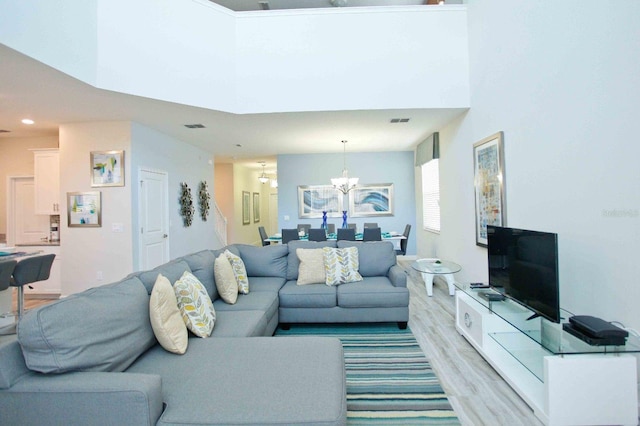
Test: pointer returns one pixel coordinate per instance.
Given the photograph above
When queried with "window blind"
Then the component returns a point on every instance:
(431, 195)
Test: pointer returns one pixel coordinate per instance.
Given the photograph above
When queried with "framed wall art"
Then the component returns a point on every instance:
(371, 200)
(84, 209)
(256, 207)
(107, 168)
(315, 199)
(489, 182)
(246, 213)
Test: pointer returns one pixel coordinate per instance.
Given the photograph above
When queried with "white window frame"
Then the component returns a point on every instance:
(431, 196)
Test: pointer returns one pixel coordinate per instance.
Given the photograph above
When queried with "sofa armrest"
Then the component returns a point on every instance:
(83, 398)
(397, 276)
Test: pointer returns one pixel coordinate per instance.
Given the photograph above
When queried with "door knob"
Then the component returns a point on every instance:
(165, 236)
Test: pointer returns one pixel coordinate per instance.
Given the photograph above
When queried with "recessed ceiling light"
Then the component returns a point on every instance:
(27, 121)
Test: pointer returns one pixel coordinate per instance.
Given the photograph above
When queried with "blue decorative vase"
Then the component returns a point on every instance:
(324, 220)
(344, 219)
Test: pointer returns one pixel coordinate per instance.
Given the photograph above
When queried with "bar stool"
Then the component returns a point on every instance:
(30, 270)
(6, 270)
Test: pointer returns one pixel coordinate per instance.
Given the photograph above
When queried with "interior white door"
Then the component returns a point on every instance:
(153, 218)
(28, 227)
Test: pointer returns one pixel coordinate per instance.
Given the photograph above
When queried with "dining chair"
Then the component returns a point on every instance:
(304, 227)
(403, 242)
(28, 271)
(331, 228)
(371, 234)
(347, 234)
(289, 235)
(263, 236)
(370, 225)
(317, 234)
(352, 226)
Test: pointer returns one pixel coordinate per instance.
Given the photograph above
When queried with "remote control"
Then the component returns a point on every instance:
(479, 285)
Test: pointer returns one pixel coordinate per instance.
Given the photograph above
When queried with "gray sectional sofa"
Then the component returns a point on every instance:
(92, 358)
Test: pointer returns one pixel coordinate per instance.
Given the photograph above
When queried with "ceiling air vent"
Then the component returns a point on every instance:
(400, 120)
(194, 126)
(5, 131)
(264, 5)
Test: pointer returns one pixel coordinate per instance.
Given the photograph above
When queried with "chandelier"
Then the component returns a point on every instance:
(344, 183)
(263, 178)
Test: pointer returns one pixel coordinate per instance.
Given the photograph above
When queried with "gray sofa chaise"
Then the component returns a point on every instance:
(92, 358)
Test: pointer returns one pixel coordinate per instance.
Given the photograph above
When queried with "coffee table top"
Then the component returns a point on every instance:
(430, 266)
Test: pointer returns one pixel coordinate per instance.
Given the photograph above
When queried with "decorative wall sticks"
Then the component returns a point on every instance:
(203, 200)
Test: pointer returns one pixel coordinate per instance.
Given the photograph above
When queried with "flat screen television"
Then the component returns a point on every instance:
(525, 264)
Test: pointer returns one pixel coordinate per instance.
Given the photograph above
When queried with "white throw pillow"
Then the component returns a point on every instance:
(311, 269)
(341, 265)
(225, 279)
(195, 305)
(165, 317)
(239, 271)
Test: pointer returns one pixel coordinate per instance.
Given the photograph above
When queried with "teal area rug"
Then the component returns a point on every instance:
(389, 380)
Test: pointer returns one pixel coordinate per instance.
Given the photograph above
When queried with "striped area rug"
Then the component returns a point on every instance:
(389, 380)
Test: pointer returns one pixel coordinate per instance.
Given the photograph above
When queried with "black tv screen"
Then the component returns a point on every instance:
(525, 264)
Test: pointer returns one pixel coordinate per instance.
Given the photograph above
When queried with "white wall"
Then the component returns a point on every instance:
(87, 251)
(183, 163)
(197, 53)
(561, 80)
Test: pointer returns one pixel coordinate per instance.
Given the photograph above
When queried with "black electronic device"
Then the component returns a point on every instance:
(491, 296)
(525, 264)
(479, 285)
(595, 331)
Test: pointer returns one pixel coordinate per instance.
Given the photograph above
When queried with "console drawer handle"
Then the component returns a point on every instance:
(467, 320)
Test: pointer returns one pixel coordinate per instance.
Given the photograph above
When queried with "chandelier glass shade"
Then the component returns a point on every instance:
(263, 178)
(344, 183)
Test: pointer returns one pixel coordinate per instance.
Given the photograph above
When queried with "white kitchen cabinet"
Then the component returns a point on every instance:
(47, 181)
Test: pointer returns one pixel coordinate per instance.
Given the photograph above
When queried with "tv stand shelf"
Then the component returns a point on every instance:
(563, 379)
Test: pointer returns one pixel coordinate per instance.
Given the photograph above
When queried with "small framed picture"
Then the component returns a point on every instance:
(83, 209)
(107, 168)
(246, 213)
(256, 207)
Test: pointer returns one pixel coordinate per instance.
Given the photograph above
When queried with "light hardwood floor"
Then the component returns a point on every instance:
(477, 393)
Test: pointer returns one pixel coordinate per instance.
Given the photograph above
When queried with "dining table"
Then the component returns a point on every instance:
(392, 237)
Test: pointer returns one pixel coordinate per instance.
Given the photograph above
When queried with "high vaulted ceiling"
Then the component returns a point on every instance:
(30, 89)
(249, 5)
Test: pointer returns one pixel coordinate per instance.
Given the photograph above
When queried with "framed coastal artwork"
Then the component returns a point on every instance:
(107, 168)
(256, 207)
(84, 209)
(246, 212)
(489, 183)
(314, 199)
(371, 200)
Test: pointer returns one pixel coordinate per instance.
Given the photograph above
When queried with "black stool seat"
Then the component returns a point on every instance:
(30, 270)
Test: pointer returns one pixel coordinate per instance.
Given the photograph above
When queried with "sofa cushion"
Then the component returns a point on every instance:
(201, 265)
(275, 380)
(239, 271)
(267, 261)
(311, 269)
(195, 305)
(101, 329)
(341, 265)
(293, 263)
(266, 283)
(376, 257)
(166, 319)
(264, 301)
(307, 296)
(240, 324)
(372, 292)
(173, 270)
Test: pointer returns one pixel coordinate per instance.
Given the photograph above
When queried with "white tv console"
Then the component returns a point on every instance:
(564, 380)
